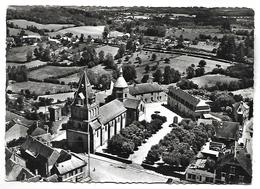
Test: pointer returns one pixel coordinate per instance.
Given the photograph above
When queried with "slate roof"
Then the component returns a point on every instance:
(226, 129)
(111, 110)
(183, 95)
(52, 178)
(38, 131)
(15, 132)
(69, 165)
(13, 170)
(18, 119)
(120, 82)
(95, 124)
(36, 147)
(144, 88)
(131, 103)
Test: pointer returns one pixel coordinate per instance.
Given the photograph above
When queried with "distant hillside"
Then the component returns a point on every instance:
(55, 15)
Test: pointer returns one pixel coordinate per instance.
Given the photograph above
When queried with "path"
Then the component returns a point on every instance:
(139, 155)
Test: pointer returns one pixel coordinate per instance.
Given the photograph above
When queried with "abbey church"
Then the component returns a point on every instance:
(101, 123)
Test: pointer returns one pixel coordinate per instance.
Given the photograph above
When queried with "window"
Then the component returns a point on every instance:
(189, 176)
(232, 169)
(209, 179)
(223, 174)
(70, 173)
(199, 177)
(125, 95)
(106, 128)
(97, 133)
(241, 178)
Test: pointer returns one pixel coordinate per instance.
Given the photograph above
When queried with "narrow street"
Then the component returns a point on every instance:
(139, 155)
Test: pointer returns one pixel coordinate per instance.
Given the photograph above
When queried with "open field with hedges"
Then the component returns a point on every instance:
(107, 49)
(24, 23)
(31, 64)
(18, 54)
(212, 79)
(40, 88)
(51, 71)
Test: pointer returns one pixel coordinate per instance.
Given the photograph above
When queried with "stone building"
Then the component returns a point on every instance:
(89, 120)
(183, 102)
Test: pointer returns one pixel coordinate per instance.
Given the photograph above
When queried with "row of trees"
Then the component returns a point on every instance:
(170, 75)
(191, 71)
(17, 73)
(133, 136)
(179, 146)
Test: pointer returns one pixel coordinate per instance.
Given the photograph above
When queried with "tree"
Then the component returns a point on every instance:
(129, 72)
(29, 55)
(105, 32)
(145, 78)
(190, 72)
(200, 71)
(81, 39)
(147, 68)
(105, 80)
(153, 57)
(121, 51)
(185, 84)
(222, 100)
(202, 63)
(158, 76)
(101, 56)
(171, 75)
(109, 61)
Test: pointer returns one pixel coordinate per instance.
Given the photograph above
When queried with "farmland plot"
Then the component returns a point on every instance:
(51, 71)
(107, 49)
(31, 64)
(18, 54)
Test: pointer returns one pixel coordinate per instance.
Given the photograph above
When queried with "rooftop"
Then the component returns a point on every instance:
(131, 103)
(144, 88)
(120, 82)
(226, 129)
(15, 132)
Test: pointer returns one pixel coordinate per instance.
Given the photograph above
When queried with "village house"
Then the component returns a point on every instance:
(199, 173)
(234, 168)
(241, 112)
(181, 101)
(148, 92)
(69, 167)
(39, 157)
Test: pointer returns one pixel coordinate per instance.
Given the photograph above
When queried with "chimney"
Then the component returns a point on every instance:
(235, 150)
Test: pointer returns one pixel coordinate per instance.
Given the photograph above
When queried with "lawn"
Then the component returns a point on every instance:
(31, 64)
(94, 31)
(107, 49)
(18, 54)
(38, 88)
(24, 23)
(212, 79)
(51, 71)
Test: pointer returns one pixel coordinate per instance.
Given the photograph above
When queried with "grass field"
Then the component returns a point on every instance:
(178, 62)
(38, 88)
(246, 93)
(31, 64)
(107, 49)
(50, 71)
(24, 23)
(71, 78)
(61, 96)
(212, 79)
(194, 32)
(18, 54)
(94, 31)
(15, 32)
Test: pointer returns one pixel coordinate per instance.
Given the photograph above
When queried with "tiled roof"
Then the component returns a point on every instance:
(15, 132)
(111, 110)
(131, 103)
(38, 148)
(69, 165)
(38, 131)
(52, 178)
(95, 124)
(144, 88)
(184, 95)
(226, 129)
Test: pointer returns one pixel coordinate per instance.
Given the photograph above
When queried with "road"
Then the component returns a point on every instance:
(139, 155)
(107, 170)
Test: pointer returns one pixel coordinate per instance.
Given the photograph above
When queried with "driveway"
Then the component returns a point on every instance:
(139, 155)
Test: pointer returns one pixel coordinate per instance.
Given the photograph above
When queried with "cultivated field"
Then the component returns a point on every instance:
(212, 79)
(51, 71)
(31, 64)
(107, 49)
(194, 32)
(94, 31)
(18, 54)
(24, 23)
(38, 88)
